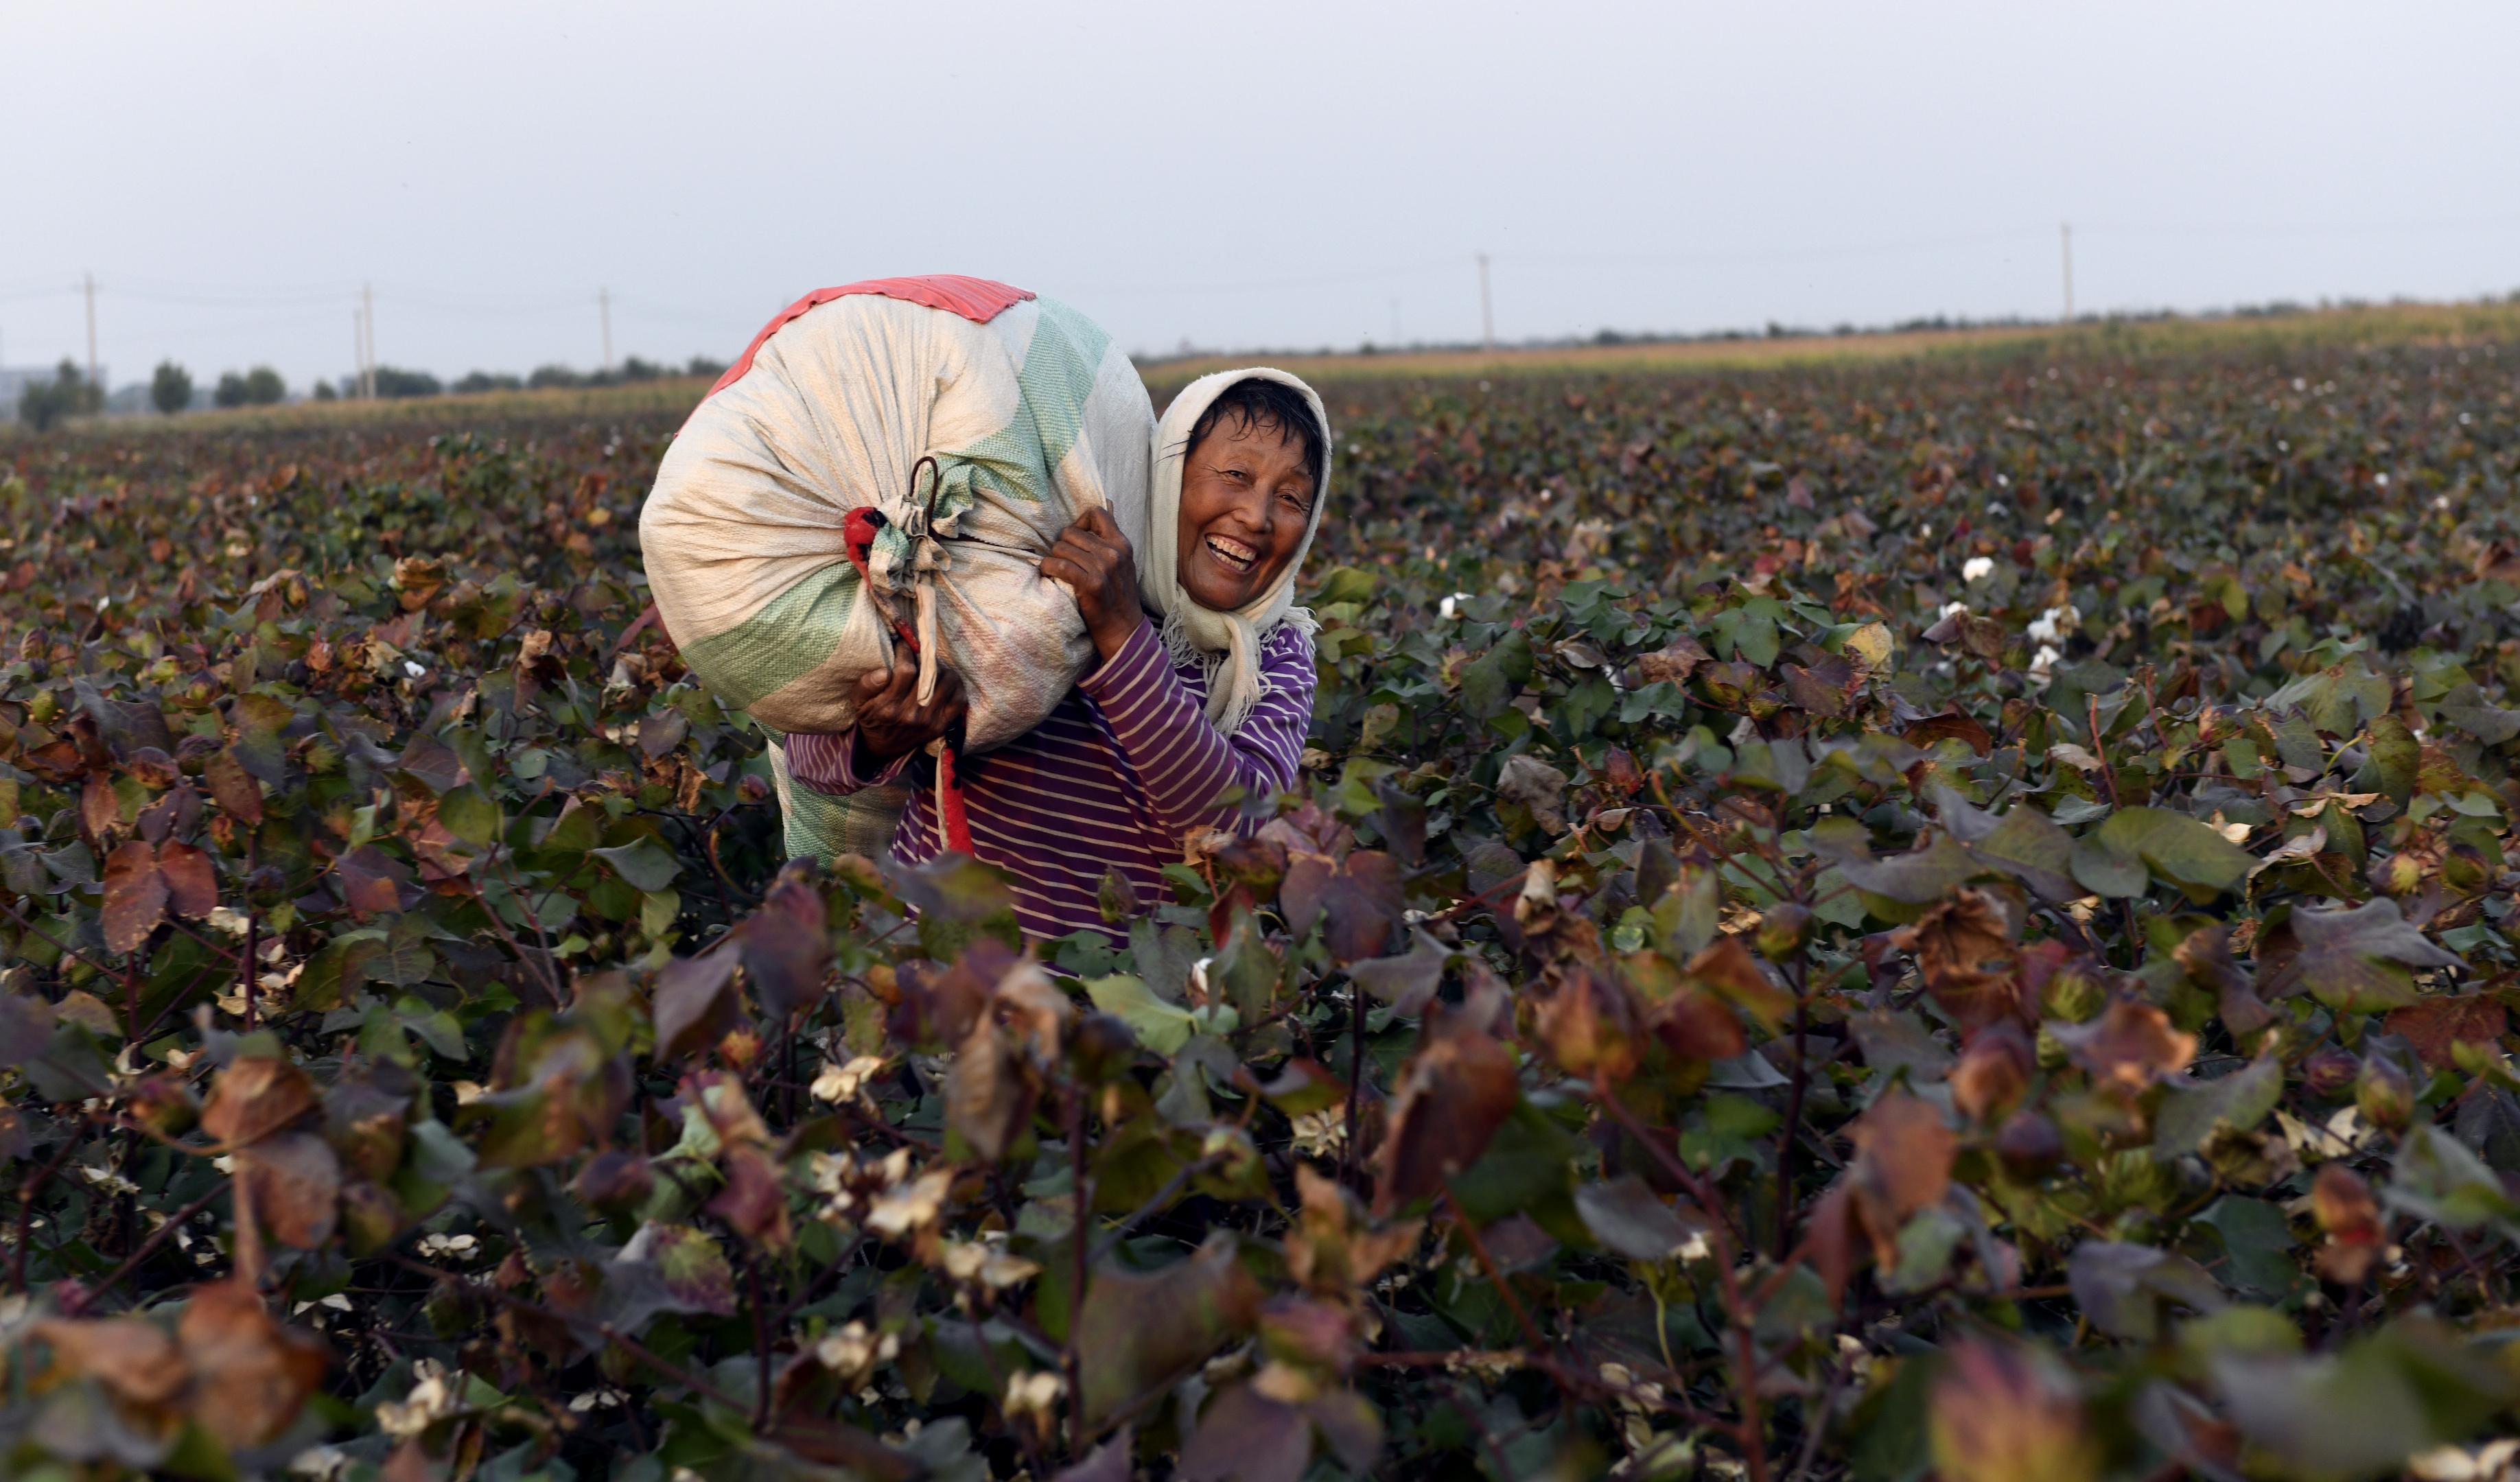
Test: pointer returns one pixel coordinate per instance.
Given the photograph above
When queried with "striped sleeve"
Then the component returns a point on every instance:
(826, 763)
(1182, 760)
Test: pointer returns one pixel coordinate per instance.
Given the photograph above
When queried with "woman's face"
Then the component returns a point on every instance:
(1247, 499)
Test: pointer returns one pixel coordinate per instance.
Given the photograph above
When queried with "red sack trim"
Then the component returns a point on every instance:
(977, 299)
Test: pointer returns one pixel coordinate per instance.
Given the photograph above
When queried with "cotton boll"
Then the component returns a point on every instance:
(1977, 568)
(2053, 626)
(1953, 609)
(1450, 606)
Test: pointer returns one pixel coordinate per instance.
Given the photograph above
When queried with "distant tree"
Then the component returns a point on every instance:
(549, 375)
(486, 381)
(263, 388)
(230, 392)
(68, 394)
(324, 392)
(392, 381)
(703, 365)
(170, 390)
(636, 369)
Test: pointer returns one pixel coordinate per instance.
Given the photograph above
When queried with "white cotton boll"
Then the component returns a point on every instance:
(2382, 479)
(1977, 568)
(1450, 606)
(2053, 624)
(1953, 609)
(413, 670)
(2042, 664)
(1925, 532)
(2441, 502)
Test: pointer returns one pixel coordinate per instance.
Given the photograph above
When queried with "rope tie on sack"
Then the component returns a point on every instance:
(928, 559)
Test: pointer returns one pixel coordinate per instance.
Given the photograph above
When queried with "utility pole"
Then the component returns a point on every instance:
(358, 351)
(368, 342)
(2067, 229)
(91, 332)
(604, 302)
(1487, 310)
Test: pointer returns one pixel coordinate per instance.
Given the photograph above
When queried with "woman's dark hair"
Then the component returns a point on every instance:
(1257, 401)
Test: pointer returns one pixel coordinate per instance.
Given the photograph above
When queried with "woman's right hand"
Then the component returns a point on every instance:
(892, 723)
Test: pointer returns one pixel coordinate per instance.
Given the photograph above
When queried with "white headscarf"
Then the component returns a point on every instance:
(1226, 645)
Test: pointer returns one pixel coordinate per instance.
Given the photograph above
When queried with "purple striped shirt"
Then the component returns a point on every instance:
(1114, 777)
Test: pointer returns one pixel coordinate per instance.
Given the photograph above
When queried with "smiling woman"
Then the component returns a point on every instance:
(1204, 687)
(1248, 492)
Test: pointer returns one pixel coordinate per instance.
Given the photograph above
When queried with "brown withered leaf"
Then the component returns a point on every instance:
(1332, 1252)
(130, 1356)
(1452, 1096)
(2350, 1214)
(234, 790)
(296, 1181)
(135, 896)
(1903, 1163)
(251, 1376)
(2130, 1046)
(2205, 956)
(695, 1002)
(1673, 661)
(192, 886)
(100, 809)
(370, 880)
(990, 1090)
(2003, 1412)
(1696, 1025)
(2434, 1025)
(1949, 725)
(1589, 1026)
(255, 1096)
(785, 947)
(753, 1203)
(1728, 971)
(1953, 944)
(1824, 687)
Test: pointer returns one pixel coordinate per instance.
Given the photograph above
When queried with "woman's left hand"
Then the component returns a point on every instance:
(1094, 559)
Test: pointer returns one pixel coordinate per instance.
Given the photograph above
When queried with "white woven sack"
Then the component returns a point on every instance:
(1029, 419)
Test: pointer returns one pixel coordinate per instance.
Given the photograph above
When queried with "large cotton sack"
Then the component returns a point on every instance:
(1030, 417)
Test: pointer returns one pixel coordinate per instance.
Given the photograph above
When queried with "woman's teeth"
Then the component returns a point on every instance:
(1232, 552)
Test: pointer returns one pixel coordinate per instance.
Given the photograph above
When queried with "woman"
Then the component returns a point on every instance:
(1204, 685)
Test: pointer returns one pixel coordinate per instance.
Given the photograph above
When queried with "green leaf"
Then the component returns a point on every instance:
(470, 815)
(2179, 848)
(2358, 959)
(643, 862)
(1159, 1026)
(1919, 877)
(1136, 1330)
(2192, 1111)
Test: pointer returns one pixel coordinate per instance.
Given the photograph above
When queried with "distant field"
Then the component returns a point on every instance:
(2394, 324)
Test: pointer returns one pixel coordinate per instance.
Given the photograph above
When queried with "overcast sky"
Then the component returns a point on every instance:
(1256, 174)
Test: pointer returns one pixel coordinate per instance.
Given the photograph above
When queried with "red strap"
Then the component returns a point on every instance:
(858, 530)
(977, 299)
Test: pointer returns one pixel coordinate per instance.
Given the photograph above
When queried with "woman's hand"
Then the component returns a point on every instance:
(891, 722)
(1094, 559)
